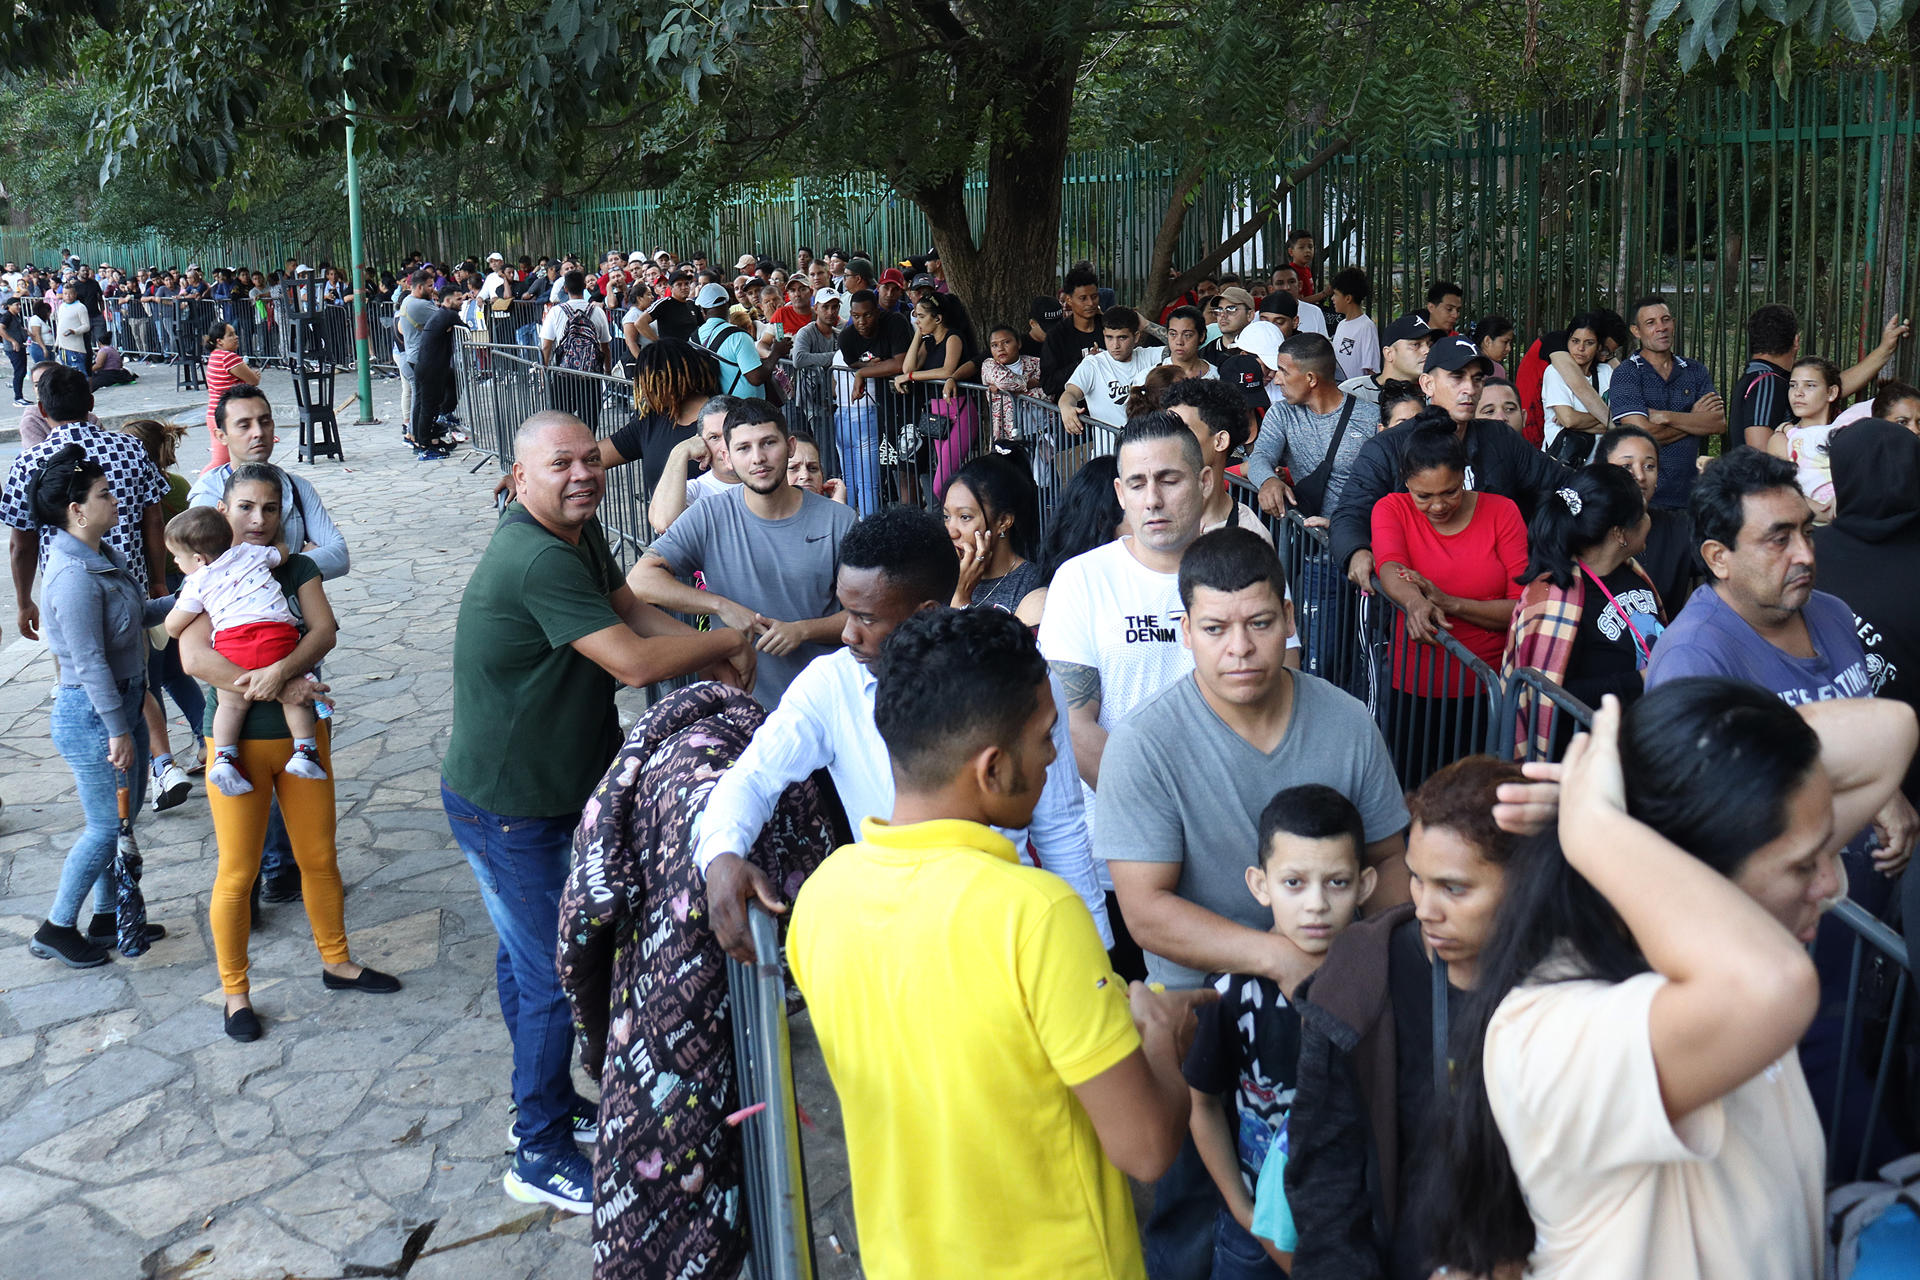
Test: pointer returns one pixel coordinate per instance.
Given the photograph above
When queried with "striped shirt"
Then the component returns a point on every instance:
(220, 377)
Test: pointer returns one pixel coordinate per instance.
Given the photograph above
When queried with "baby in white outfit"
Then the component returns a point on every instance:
(233, 584)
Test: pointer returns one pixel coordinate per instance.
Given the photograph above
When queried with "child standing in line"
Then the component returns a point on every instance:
(1813, 392)
(232, 583)
(1311, 874)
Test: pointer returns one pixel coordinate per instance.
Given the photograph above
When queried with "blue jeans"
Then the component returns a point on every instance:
(857, 440)
(521, 864)
(81, 738)
(74, 359)
(276, 855)
(1178, 1238)
(164, 675)
(1238, 1256)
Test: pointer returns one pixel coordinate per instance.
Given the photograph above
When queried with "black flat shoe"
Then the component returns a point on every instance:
(370, 980)
(244, 1025)
(101, 930)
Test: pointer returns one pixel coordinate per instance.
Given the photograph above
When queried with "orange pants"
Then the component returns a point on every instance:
(240, 828)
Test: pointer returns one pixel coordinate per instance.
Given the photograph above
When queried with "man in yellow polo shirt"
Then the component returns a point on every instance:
(992, 1069)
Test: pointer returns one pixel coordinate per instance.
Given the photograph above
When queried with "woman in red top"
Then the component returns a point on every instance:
(225, 367)
(1450, 558)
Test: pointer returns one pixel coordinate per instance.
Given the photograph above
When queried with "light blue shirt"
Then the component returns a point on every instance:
(825, 721)
(303, 518)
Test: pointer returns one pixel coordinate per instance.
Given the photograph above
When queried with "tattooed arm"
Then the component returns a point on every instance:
(1083, 716)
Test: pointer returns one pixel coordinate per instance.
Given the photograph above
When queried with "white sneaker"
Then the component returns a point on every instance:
(227, 779)
(170, 787)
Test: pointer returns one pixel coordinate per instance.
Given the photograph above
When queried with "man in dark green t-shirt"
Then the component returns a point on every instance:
(546, 628)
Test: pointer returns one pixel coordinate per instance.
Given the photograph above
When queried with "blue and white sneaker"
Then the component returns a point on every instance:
(563, 1180)
(586, 1127)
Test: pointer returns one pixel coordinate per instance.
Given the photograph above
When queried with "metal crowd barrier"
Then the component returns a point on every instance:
(1536, 709)
(503, 386)
(774, 1175)
(1434, 703)
(1876, 947)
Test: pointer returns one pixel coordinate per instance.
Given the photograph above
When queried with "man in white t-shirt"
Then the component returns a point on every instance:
(1111, 629)
(1356, 339)
(1099, 386)
(553, 329)
(496, 284)
(1312, 319)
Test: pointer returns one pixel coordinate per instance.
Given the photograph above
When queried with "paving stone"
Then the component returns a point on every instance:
(247, 1245)
(154, 1206)
(99, 1086)
(23, 1192)
(67, 1240)
(84, 993)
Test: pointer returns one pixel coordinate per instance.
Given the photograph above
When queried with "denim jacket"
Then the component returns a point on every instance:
(96, 620)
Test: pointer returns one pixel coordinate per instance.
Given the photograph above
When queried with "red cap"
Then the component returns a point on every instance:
(892, 276)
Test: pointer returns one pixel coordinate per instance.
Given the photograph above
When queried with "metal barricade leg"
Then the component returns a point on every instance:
(774, 1180)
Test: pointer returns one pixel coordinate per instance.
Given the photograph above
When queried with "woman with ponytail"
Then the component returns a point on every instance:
(1629, 1102)
(225, 367)
(1588, 613)
(94, 614)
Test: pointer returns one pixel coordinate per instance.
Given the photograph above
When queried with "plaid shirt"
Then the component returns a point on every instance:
(1542, 637)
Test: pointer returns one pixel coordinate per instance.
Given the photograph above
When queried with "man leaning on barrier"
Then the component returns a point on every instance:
(546, 629)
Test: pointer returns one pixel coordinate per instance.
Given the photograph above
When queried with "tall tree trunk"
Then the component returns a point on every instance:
(1167, 239)
(1017, 253)
(1631, 160)
(1161, 289)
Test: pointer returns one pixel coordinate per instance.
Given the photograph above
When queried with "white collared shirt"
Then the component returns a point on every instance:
(825, 721)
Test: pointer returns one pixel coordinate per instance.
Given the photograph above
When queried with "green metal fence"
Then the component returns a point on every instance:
(1721, 200)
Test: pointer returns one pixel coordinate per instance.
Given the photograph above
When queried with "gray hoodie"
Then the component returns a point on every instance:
(96, 619)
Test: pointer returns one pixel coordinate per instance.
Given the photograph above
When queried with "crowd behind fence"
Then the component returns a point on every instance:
(1434, 704)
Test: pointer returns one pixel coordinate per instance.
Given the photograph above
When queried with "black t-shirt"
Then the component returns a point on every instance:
(892, 335)
(15, 325)
(1046, 313)
(1066, 346)
(1762, 401)
(87, 293)
(1668, 558)
(650, 438)
(1606, 658)
(1248, 1047)
(676, 319)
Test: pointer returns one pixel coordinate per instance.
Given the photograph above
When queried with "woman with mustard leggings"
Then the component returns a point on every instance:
(252, 507)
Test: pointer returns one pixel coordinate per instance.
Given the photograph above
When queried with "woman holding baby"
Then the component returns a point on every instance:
(264, 752)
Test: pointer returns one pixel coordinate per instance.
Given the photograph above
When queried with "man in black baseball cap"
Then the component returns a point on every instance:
(1499, 459)
(1403, 350)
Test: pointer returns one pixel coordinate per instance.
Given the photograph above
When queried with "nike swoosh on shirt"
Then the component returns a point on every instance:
(818, 536)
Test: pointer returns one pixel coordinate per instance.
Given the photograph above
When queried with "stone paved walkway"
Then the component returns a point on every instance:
(362, 1136)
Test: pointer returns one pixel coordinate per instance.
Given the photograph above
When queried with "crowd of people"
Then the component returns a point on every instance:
(1001, 695)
